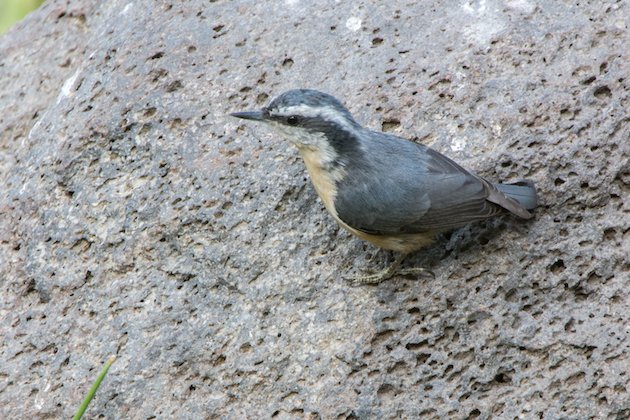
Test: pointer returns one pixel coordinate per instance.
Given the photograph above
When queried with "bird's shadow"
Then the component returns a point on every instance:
(469, 239)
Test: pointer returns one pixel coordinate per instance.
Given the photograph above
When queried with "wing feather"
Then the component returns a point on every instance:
(423, 191)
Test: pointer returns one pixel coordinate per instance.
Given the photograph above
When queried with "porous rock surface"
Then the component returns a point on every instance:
(138, 219)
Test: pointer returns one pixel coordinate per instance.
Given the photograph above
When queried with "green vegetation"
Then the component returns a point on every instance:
(95, 385)
(12, 11)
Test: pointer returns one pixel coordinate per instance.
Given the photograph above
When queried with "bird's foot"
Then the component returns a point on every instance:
(388, 273)
(375, 278)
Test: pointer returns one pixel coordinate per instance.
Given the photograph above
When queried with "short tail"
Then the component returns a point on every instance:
(522, 191)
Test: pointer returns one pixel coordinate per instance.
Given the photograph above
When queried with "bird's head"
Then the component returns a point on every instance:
(309, 119)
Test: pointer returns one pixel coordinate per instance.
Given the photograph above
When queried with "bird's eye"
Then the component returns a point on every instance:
(292, 120)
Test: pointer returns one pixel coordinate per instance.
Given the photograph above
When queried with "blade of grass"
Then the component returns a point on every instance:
(95, 385)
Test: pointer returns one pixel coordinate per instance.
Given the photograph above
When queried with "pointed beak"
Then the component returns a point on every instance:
(250, 115)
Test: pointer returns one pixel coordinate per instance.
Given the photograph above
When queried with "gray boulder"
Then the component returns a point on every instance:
(138, 219)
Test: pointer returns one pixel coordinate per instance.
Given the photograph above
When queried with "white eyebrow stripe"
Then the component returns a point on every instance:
(326, 113)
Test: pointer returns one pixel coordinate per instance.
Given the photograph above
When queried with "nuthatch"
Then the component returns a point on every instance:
(384, 189)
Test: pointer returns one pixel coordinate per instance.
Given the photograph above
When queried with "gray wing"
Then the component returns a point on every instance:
(410, 188)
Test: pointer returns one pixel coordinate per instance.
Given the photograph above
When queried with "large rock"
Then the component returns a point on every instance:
(138, 219)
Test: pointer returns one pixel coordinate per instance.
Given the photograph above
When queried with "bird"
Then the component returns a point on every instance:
(392, 192)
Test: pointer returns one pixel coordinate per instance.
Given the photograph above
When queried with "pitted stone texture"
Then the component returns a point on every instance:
(138, 219)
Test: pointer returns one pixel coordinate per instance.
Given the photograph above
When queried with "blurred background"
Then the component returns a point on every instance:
(11, 11)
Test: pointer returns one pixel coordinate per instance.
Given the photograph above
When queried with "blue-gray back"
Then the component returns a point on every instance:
(404, 187)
